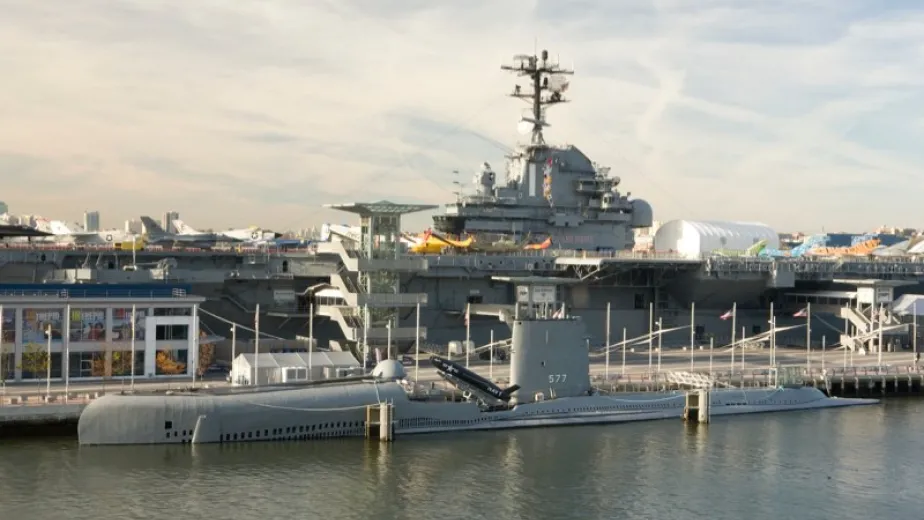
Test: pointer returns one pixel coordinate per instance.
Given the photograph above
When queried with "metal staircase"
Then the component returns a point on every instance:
(370, 308)
(867, 323)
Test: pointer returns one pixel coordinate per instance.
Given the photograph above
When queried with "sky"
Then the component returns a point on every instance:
(804, 115)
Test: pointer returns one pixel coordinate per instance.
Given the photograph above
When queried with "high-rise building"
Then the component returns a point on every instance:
(134, 226)
(91, 220)
(169, 218)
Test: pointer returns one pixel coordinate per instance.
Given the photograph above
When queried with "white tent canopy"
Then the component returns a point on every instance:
(276, 368)
(909, 305)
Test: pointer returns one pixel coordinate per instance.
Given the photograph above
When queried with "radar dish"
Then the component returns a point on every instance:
(558, 83)
(524, 126)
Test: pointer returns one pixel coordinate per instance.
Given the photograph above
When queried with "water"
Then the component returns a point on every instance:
(838, 464)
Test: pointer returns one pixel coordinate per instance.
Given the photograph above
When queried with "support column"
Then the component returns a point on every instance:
(18, 345)
(192, 363)
(150, 345)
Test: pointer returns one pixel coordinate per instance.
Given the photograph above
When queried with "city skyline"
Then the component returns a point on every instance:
(800, 115)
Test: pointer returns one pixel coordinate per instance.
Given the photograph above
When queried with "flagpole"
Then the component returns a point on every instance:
(772, 339)
(624, 346)
(692, 331)
(823, 348)
(808, 338)
(879, 320)
(132, 377)
(711, 345)
(743, 338)
(914, 339)
(490, 367)
(468, 329)
(48, 371)
(660, 335)
(733, 338)
(256, 347)
(650, 336)
(606, 371)
(66, 360)
(417, 348)
(311, 341)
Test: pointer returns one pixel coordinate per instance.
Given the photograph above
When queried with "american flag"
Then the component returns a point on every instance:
(728, 314)
(801, 314)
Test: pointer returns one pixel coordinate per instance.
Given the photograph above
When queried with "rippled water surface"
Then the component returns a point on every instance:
(838, 464)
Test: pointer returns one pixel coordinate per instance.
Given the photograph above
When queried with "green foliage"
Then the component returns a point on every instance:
(35, 360)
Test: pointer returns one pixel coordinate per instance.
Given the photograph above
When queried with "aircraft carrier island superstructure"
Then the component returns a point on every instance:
(555, 214)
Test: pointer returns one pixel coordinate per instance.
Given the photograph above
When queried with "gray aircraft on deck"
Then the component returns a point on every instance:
(157, 236)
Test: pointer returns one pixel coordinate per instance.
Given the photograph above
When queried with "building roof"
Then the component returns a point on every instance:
(300, 359)
(872, 282)
(909, 305)
(382, 207)
(42, 293)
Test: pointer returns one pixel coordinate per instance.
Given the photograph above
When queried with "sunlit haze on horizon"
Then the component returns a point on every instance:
(800, 114)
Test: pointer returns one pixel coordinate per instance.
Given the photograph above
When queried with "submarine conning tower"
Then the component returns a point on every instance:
(549, 355)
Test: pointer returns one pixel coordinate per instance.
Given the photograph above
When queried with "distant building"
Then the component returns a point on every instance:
(134, 226)
(92, 330)
(169, 218)
(91, 220)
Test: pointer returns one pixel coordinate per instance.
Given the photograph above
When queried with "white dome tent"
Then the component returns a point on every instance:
(692, 238)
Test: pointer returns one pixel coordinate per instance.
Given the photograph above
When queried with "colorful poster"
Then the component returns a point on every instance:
(122, 324)
(88, 325)
(9, 325)
(36, 321)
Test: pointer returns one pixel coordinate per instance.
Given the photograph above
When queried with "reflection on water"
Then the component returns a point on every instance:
(842, 464)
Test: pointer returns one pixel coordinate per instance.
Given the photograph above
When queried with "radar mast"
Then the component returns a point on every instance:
(548, 85)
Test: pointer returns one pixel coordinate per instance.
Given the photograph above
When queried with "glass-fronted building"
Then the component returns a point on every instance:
(91, 329)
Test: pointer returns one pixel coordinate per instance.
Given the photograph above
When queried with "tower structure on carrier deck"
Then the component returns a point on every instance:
(550, 192)
(368, 280)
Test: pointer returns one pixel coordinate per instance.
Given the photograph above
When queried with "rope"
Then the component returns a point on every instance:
(238, 325)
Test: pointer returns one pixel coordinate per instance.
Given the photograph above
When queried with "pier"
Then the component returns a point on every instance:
(28, 408)
(852, 382)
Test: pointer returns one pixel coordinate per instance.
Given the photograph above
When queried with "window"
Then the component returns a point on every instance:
(639, 301)
(172, 332)
(165, 311)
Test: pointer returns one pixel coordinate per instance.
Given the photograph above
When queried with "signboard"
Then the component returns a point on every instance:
(541, 293)
(36, 321)
(284, 297)
(88, 325)
(122, 324)
(884, 295)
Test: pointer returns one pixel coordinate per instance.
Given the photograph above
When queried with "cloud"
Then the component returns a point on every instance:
(796, 113)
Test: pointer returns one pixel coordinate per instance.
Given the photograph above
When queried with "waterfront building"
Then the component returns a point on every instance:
(91, 332)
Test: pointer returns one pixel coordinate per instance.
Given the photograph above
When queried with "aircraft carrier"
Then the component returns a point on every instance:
(556, 213)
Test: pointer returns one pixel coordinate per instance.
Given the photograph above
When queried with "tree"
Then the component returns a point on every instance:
(35, 361)
(166, 365)
(206, 357)
(98, 366)
(122, 363)
(6, 361)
